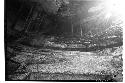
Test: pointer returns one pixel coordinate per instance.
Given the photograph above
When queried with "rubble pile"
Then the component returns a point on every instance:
(34, 60)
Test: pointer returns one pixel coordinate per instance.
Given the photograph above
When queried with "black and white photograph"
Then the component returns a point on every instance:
(64, 40)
